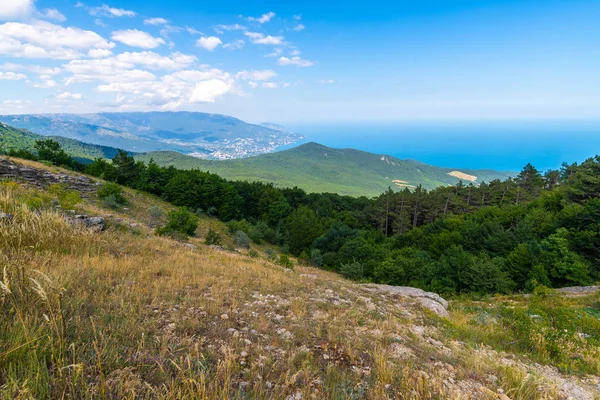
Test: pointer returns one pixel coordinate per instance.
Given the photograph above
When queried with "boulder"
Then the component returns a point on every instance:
(429, 300)
(97, 224)
(5, 217)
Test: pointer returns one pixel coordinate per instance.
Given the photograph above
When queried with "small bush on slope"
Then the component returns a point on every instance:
(179, 222)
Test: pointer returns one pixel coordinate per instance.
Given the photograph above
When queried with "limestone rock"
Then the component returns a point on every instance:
(429, 300)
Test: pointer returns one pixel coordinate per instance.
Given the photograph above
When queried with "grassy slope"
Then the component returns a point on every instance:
(126, 314)
(13, 138)
(317, 168)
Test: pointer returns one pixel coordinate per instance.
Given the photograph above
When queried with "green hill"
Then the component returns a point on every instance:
(21, 139)
(316, 168)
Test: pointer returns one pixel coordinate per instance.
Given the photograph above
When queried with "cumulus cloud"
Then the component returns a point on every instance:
(46, 40)
(263, 18)
(124, 67)
(253, 85)
(295, 52)
(259, 38)
(269, 85)
(53, 13)
(136, 38)
(209, 91)
(297, 61)
(155, 21)
(298, 27)
(66, 96)
(11, 9)
(11, 76)
(235, 45)
(176, 89)
(263, 75)
(99, 53)
(209, 43)
(107, 11)
(192, 31)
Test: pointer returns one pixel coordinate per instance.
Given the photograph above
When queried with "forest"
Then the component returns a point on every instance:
(497, 237)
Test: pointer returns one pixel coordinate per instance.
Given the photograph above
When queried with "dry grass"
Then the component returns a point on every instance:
(121, 315)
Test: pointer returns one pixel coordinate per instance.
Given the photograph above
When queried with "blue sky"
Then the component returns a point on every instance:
(304, 61)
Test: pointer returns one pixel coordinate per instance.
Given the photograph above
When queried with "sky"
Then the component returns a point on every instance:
(304, 61)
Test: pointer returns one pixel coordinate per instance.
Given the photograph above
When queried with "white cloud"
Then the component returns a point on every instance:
(297, 61)
(269, 85)
(295, 52)
(66, 96)
(209, 91)
(298, 27)
(45, 71)
(235, 45)
(263, 18)
(45, 84)
(107, 11)
(46, 40)
(11, 76)
(11, 9)
(155, 61)
(192, 31)
(99, 53)
(136, 38)
(155, 21)
(326, 81)
(53, 13)
(285, 85)
(263, 75)
(275, 53)
(259, 38)
(253, 85)
(234, 27)
(298, 17)
(209, 43)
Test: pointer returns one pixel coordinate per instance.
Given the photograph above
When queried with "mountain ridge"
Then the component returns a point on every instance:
(318, 168)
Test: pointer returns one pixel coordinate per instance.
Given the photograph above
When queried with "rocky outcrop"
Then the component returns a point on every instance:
(97, 224)
(429, 300)
(579, 290)
(40, 178)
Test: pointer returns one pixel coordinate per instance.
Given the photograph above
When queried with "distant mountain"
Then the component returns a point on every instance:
(317, 168)
(202, 135)
(21, 139)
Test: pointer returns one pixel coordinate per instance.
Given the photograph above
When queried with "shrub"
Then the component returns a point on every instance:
(253, 253)
(352, 270)
(316, 259)
(156, 212)
(213, 238)
(271, 254)
(241, 240)
(179, 222)
(67, 199)
(285, 262)
(112, 189)
(111, 202)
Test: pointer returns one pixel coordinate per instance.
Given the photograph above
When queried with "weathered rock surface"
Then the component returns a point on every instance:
(97, 224)
(41, 178)
(5, 217)
(576, 290)
(429, 300)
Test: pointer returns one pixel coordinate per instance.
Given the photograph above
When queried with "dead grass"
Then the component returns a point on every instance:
(121, 315)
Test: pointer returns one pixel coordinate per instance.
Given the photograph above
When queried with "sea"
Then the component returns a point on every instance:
(499, 145)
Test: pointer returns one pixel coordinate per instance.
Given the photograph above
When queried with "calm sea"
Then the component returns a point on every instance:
(475, 145)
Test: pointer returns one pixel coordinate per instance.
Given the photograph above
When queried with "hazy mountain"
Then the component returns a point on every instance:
(317, 168)
(205, 135)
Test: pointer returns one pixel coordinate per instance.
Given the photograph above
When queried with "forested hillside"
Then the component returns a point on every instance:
(503, 236)
(317, 168)
(21, 139)
(500, 237)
